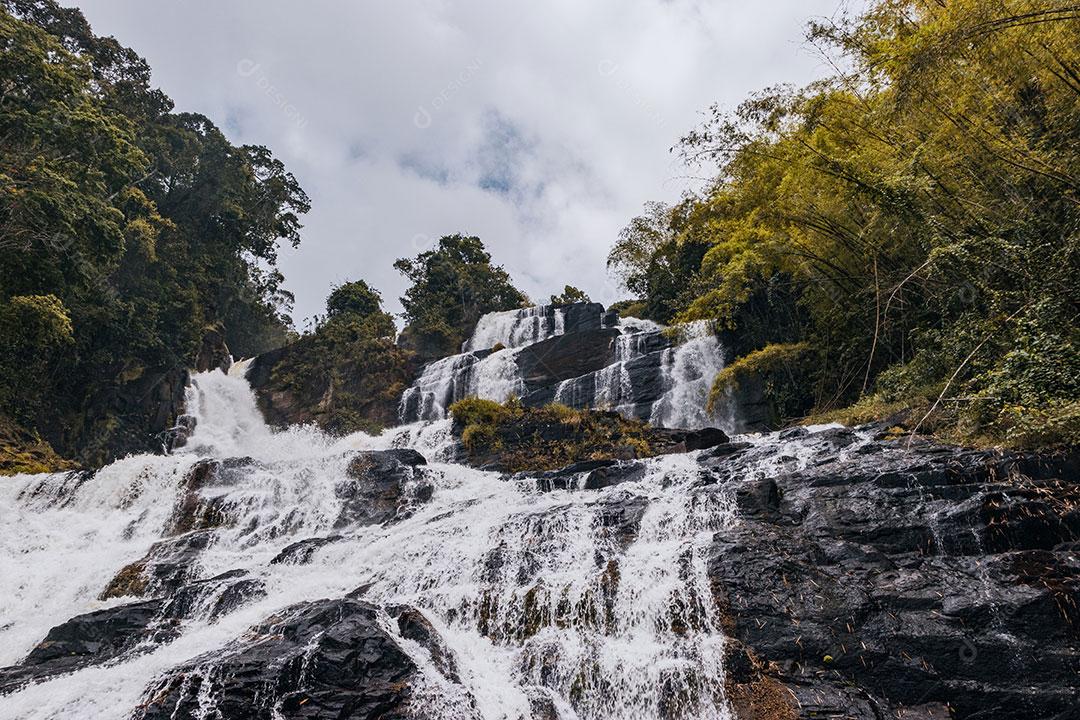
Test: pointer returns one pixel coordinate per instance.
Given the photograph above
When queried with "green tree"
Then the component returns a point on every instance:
(353, 298)
(452, 286)
(147, 226)
(912, 220)
(569, 296)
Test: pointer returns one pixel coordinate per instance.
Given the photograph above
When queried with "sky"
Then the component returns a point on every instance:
(540, 127)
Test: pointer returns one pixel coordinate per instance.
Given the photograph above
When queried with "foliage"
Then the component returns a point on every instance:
(452, 286)
(356, 298)
(349, 370)
(628, 308)
(514, 437)
(658, 260)
(913, 219)
(36, 329)
(779, 367)
(569, 296)
(144, 225)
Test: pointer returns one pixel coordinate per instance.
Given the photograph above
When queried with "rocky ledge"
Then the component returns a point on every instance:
(874, 580)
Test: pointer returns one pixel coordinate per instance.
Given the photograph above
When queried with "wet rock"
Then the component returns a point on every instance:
(177, 436)
(548, 362)
(217, 596)
(667, 441)
(301, 551)
(383, 485)
(891, 582)
(213, 353)
(414, 626)
(165, 567)
(90, 639)
(321, 659)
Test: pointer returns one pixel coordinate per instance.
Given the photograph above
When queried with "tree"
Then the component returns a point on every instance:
(353, 298)
(146, 226)
(452, 286)
(570, 295)
(912, 220)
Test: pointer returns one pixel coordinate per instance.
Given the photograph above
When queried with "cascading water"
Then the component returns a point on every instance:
(683, 374)
(598, 601)
(687, 373)
(516, 328)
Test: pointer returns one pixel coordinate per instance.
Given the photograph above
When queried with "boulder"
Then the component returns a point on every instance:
(895, 581)
(90, 639)
(320, 659)
(382, 485)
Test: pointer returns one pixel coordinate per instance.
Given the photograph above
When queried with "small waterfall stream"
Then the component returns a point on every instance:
(597, 601)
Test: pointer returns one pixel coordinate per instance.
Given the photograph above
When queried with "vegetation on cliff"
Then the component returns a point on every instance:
(126, 229)
(345, 375)
(514, 437)
(910, 224)
(452, 286)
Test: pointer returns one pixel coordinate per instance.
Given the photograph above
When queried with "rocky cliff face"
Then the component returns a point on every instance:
(880, 577)
(581, 356)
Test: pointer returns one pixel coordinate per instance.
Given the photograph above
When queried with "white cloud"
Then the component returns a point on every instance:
(540, 127)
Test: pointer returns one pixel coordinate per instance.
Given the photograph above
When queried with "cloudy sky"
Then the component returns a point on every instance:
(540, 127)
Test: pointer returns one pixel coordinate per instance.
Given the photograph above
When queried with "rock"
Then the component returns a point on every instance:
(668, 441)
(177, 436)
(90, 639)
(103, 635)
(549, 362)
(582, 317)
(895, 582)
(168, 565)
(221, 594)
(213, 353)
(301, 551)
(384, 485)
(321, 659)
(414, 626)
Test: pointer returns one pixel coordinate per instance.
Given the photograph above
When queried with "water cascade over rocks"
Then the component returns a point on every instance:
(580, 356)
(278, 575)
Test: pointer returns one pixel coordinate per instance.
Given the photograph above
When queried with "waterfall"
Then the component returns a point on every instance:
(516, 328)
(598, 601)
(687, 374)
(669, 386)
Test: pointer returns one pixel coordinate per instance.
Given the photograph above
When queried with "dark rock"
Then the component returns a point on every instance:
(301, 551)
(728, 448)
(89, 639)
(222, 594)
(177, 436)
(414, 626)
(582, 317)
(679, 441)
(614, 474)
(168, 565)
(384, 485)
(893, 582)
(549, 362)
(213, 352)
(322, 659)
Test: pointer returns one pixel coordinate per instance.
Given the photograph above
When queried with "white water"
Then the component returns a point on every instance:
(606, 617)
(495, 377)
(516, 328)
(688, 372)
